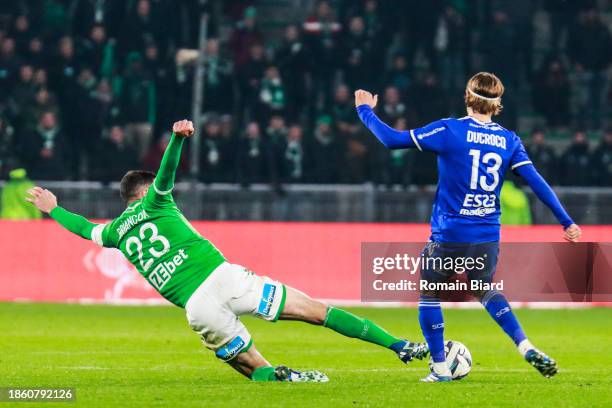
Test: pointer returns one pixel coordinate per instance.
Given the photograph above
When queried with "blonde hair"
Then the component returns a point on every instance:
(483, 94)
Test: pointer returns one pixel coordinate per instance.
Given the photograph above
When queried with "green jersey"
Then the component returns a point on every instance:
(155, 237)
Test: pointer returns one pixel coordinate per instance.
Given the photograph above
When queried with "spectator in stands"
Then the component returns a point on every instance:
(294, 62)
(113, 149)
(575, 161)
(275, 138)
(392, 106)
(343, 112)
(514, 205)
(88, 13)
(25, 89)
(397, 76)
(322, 32)
(272, 95)
(141, 26)
(430, 100)
(55, 17)
(137, 103)
(104, 103)
(12, 203)
(63, 70)
(602, 161)
(295, 156)
(451, 44)
(216, 157)
(9, 66)
(551, 92)
(249, 77)
(43, 151)
(43, 101)
(590, 50)
(21, 32)
(97, 52)
(245, 35)
(218, 84)
(394, 165)
(356, 54)
(419, 20)
(326, 152)
(154, 156)
(7, 145)
(35, 53)
(543, 156)
(41, 77)
(252, 157)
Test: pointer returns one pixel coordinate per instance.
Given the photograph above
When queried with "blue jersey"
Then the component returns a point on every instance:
(473, 158)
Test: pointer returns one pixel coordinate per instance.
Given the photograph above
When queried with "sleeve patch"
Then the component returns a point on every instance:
(414, 139)
(96, 234)
(162, 192)
(519, 164)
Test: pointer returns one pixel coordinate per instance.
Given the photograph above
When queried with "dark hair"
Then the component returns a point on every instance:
(133, 181)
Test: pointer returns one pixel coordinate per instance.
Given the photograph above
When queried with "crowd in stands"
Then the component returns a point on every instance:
(89, 88)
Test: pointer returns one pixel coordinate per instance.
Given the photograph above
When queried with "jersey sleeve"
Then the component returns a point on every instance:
(160, 192)
(519, 157)
(431, 137)
(100, 235)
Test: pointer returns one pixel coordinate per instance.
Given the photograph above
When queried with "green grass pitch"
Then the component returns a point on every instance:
(148, 356)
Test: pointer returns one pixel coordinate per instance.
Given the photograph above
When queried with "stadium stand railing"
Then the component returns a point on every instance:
(310, 202)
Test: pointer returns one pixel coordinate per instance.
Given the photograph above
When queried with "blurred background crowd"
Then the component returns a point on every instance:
(89, 88)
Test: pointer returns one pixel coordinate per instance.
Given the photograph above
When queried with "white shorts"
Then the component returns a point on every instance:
(231, 291)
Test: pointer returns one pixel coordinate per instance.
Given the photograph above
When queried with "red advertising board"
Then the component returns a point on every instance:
(42, 262)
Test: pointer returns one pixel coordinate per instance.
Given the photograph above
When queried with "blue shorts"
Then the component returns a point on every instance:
(445, 261)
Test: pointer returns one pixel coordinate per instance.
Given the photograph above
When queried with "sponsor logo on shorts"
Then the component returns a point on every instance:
(231, 349)
(267, 298)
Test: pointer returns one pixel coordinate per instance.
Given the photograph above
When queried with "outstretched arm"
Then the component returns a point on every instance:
(164, 182)
(546, 194)
(46, 202)
(391, 138)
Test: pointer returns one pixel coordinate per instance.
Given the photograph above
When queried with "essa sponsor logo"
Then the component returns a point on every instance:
(267, 298)
(437, 326)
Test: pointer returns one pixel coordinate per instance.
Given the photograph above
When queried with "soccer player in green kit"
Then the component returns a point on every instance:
(189, 271)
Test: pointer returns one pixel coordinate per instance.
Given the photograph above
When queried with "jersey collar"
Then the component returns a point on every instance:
(133, 206)
(479, 122)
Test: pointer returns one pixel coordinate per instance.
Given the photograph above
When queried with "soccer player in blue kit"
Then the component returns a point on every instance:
(473, 156)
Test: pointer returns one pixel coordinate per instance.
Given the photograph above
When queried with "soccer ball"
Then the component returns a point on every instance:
(458, 358)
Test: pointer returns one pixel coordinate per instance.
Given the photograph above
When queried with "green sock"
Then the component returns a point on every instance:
(353, 326)
(265, 373)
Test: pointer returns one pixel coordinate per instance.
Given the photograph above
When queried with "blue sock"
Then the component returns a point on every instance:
(499, 309)
(432, 326)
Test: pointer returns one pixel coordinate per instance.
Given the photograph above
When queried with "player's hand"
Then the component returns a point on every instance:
(572, 233)
(365, 98)
(183, 128)
(43, 199)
